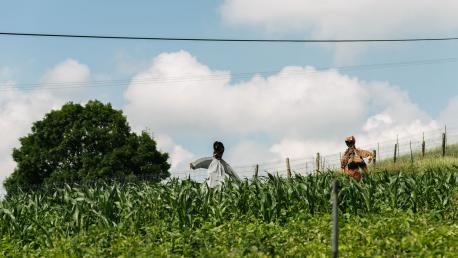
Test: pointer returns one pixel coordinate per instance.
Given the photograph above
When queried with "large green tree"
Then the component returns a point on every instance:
(82, 144)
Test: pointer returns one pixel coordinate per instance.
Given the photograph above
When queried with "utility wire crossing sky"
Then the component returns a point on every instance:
(246, 75)
(226, 39)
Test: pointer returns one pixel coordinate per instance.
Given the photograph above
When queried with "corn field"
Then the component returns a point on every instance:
(36, 220)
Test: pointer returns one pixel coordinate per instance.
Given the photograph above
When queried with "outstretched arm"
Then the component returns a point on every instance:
(366, 154)
(228, 169)
(201, 163)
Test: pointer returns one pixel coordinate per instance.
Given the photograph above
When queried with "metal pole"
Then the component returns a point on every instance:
(443, 144)
(395, 149)
(335, 219)
(256, 171)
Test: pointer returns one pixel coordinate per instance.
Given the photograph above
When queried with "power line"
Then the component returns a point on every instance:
(194, 78)
(225, 39)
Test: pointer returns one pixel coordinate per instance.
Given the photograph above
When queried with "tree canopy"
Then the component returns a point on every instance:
(82, 144)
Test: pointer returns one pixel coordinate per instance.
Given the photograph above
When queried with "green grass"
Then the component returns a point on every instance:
(402, 210)
(432, 159)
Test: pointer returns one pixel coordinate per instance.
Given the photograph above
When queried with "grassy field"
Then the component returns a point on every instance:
(399, 210)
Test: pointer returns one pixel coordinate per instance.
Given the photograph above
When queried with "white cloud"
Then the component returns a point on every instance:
(346, 19)
(298, 100)
(179, 156)
(67, 78)
(300, 109)
(17, 112)
(337, 19)
(296, 148)
(376, 121)
(397, 116)
(395, 102)
(249, 152)
(449, 114)
(69, 71)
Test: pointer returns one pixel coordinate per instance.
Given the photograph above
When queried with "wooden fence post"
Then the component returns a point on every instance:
(256, 170)
(288, 168)
(335, 219)
(395, 149)
(306, 167)
(375, 157)
(317, 162)
(423, 146)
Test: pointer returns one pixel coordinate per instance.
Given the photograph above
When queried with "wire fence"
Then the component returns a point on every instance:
(435, 143)
(429, 144)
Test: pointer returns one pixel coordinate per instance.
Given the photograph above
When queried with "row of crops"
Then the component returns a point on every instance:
(39, 220)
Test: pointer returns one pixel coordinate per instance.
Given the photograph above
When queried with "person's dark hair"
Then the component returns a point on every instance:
(218, 149)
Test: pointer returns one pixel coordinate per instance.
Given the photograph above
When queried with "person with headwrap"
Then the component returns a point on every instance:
(353, 159)
(218, 169)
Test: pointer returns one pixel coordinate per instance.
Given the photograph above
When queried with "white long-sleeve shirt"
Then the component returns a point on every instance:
(218, 170)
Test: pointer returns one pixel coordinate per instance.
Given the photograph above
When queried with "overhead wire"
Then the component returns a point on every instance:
(197, 39)
(163, 81)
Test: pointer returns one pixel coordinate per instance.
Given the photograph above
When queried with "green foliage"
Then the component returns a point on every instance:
(83, 143)
(407, 213)
(392, 233)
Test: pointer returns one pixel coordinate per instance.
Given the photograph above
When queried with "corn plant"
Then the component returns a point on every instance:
(32, 217)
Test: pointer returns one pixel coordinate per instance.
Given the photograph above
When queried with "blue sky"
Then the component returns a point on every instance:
(429, 88)
(30, 57)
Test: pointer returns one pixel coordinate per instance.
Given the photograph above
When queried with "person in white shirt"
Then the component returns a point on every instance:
(218, 169)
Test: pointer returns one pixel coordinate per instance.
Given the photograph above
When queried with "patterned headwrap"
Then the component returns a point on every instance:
(350, 140)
